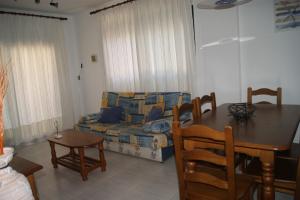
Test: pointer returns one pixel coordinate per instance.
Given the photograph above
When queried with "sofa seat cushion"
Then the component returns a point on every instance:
(159, 126)
(143, 139)
(131, 134)
(102, 127)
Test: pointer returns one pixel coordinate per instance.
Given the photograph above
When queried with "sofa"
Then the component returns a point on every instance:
(137, 133)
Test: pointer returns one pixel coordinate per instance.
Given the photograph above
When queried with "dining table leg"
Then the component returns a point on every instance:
(267, 159)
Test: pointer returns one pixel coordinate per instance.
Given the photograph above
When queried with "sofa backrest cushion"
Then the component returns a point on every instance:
(137, 105)
(111, 115)
(155, 113)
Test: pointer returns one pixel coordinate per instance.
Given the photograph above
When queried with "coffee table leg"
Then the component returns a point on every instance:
(72, 152)
(101, 156)
(82, 163)
(53, 154)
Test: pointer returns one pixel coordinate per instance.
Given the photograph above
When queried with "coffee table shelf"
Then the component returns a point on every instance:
(72, 161)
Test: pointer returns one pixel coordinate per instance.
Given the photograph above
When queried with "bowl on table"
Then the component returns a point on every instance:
(241, 111)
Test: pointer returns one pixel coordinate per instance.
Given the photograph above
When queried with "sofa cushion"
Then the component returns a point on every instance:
(136, 118)
(152, 98)
(136, 106)
(171, 99)
(109, 99)
(111, 115)
(90, 119)
(155, 113)
(157, 126)
(101, 127)
(124, 102)
(186, 116)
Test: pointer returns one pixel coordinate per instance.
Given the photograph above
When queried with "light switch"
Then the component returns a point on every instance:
(93, 58)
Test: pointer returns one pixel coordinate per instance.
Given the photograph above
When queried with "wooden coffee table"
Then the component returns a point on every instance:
(78, 161)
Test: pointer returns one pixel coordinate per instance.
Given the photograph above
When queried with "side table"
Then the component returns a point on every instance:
(27, 168)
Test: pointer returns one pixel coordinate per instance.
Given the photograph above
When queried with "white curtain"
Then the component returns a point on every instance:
(148, 45)
(33, 50)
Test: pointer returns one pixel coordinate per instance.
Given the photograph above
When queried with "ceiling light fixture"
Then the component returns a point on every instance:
(220, 4)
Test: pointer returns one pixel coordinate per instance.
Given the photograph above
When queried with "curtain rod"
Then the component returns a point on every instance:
(32, 15)
(112, 6)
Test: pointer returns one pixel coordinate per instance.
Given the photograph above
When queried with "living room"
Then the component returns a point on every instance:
(145, 56)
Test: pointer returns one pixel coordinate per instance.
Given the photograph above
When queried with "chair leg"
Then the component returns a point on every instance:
(243, 162)
(251, 192)
(259, 192)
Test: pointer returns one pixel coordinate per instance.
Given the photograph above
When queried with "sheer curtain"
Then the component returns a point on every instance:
(33, 50)
(148, 45)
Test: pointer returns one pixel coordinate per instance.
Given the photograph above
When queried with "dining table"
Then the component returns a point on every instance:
(271, 128)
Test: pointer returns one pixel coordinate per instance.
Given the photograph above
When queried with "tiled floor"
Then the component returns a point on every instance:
(125, 178)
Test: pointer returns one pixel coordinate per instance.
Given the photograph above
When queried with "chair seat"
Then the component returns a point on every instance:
(293, 153)
(244, 187)
(285, 173)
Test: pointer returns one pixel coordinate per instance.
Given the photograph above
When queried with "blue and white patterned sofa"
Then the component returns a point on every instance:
(151, 140)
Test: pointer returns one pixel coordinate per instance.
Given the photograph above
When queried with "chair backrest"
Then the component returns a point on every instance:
(264, 91)
(185, 108)
(297, 193)
(197, 143)
(206, 99)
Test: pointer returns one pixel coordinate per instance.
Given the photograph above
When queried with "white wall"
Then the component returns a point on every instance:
(272, 59)
(74, 67)
(92, 81)
(217, 54)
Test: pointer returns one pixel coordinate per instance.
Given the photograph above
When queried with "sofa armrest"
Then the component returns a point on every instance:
(90, 118)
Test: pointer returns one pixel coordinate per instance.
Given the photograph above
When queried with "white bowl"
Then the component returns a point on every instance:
(6, 157)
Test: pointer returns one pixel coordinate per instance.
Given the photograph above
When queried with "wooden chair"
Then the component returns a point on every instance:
(211, 99)
(185, 108)
(286, 175)
(294, 151)
(264, 91)
(194, 144)
(291, 154)
(285, 165)
(206, 99)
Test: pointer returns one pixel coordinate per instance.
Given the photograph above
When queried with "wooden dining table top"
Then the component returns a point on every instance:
(271, 127)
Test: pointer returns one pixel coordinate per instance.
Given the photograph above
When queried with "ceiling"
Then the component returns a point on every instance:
(65, 6)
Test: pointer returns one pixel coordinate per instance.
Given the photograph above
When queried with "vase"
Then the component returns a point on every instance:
(13, 185)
